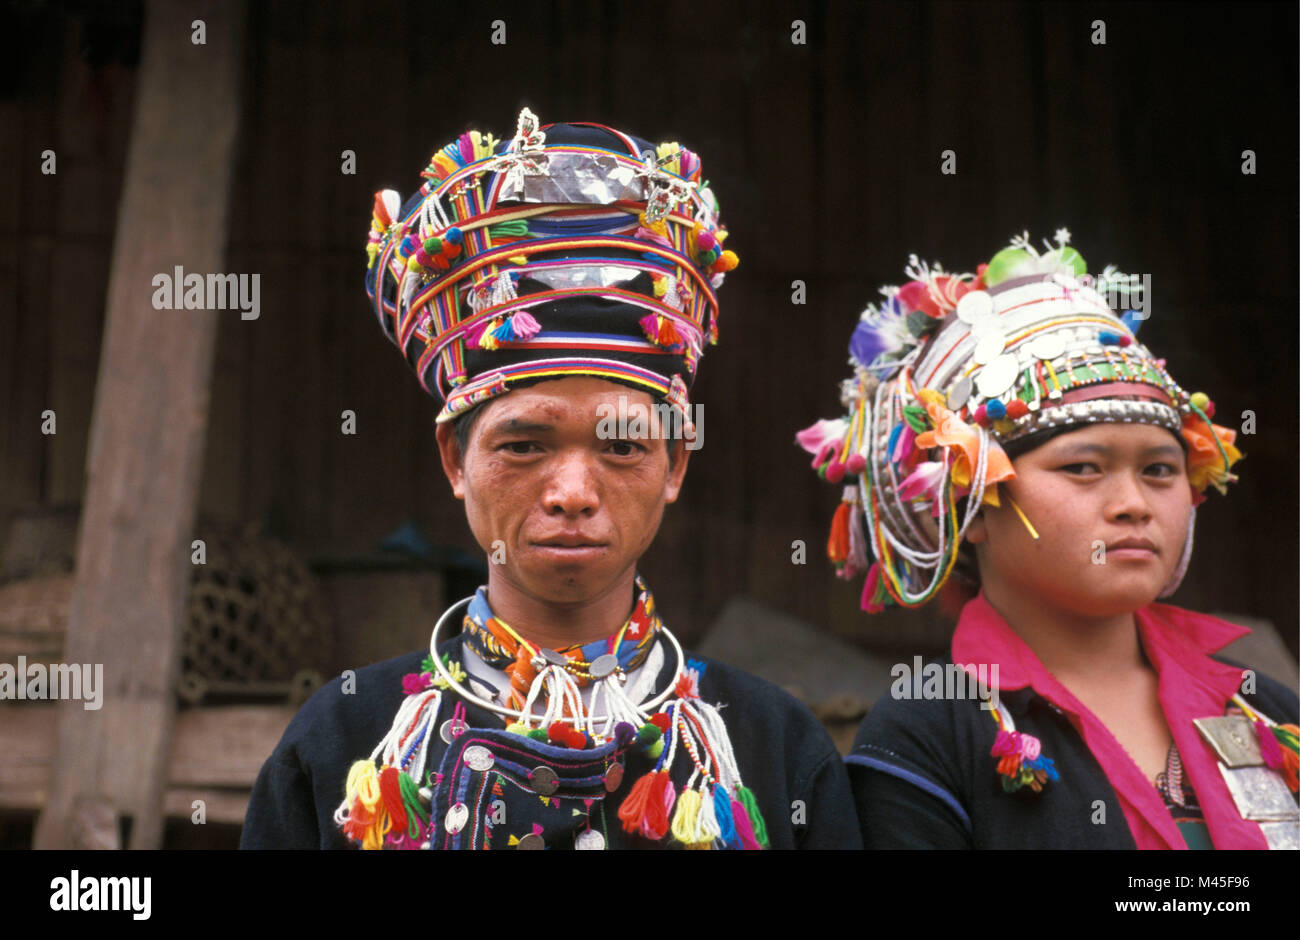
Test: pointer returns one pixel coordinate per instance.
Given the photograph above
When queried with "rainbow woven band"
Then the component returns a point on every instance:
(530, 259)
(948, 369)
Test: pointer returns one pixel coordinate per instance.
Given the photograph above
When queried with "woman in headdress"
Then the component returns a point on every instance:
(1008, 426)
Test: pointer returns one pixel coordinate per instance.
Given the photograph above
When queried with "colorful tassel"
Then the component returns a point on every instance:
(659, 803)
(722, 812)
(633, 810)
(1268, 748)
(367, 821)
(686, 820)
(744, 828)
(391, 792)
(661, 331)
(747, 800)
(837, 546)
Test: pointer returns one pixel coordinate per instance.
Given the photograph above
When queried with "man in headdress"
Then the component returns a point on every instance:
(555, 291)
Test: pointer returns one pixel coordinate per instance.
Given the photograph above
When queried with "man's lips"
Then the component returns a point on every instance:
(569, 541)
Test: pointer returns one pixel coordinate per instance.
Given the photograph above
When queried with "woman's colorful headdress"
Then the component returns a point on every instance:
(950, 367)
(570, 249)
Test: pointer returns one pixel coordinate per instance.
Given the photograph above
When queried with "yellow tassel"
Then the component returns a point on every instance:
(487, 339)
(363, 785)
(686, 820)
(670, 147)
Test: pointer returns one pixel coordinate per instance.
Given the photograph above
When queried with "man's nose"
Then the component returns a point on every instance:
(572, 485)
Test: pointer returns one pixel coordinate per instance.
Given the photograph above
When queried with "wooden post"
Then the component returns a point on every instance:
(147, 432)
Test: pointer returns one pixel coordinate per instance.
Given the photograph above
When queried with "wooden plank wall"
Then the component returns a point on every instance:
(825, 158)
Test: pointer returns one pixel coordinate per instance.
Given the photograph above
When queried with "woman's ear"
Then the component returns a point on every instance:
(977, 532)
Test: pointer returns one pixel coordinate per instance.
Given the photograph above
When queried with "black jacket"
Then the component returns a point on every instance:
(923, 777)
(785, 757)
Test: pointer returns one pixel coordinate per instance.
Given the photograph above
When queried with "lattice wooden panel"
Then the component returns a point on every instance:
(257, 625)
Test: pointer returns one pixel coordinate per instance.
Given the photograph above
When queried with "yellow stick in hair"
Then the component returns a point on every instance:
(1021, 514)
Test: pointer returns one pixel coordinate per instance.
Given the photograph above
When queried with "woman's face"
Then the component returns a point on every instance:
(1110, 503)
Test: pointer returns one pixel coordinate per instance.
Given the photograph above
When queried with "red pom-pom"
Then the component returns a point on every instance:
(982, 417)
(558, 732)
(1017, 408)
(1125, 340)
(835, 472)
(661, 721)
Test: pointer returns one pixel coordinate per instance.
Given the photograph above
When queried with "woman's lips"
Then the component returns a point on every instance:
(1132, 550)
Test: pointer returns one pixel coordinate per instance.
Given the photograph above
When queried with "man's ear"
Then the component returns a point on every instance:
(677, 469)
(453, 461)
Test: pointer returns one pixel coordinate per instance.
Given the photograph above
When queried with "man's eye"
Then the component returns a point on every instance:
(518, 447)
(626, 448)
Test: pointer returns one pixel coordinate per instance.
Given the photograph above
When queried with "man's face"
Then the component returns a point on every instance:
(1111, 505)
(572, 511)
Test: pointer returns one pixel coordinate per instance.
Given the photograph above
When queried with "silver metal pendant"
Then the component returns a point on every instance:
(457, 816)
(1233, 739)
(544, 780)
(479, 758)
(1282, 835)
(1260, 793)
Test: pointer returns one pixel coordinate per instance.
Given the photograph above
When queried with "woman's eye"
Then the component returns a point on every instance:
(1081, 468)
(1162, 470)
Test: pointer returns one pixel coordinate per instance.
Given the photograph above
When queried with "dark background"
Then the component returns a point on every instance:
(826, 160)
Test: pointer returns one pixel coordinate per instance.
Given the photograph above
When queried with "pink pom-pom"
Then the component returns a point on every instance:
(1005, 743)
(524, 325)
(856, 463)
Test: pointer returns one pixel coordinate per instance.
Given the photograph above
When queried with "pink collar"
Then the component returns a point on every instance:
(1192, 685)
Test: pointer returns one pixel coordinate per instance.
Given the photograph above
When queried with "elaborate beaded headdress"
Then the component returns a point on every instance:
(570, 249)
(952, 366)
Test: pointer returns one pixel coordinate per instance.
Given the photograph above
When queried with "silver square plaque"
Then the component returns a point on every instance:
(1260, 793)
